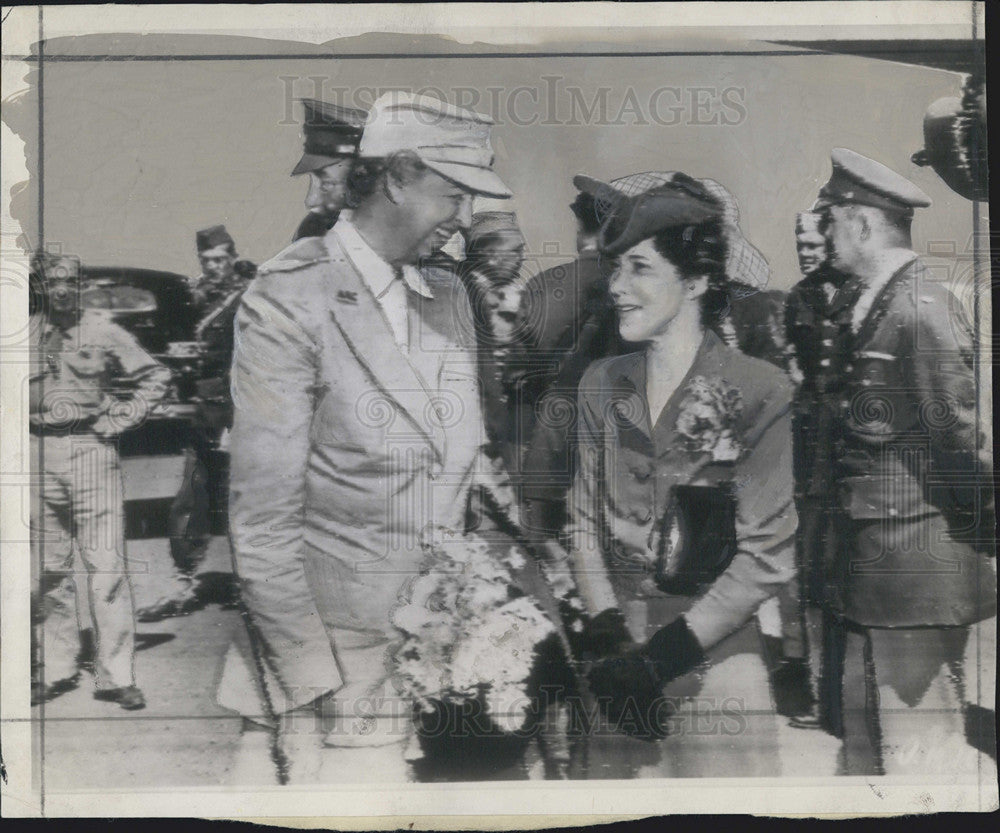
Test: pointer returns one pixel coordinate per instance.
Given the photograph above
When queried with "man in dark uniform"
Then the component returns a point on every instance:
(909, 571)
(217, 294)
(817, 326)
(332, 134)
(567, 322)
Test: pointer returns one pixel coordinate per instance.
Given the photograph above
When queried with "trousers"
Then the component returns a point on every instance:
(902, 695)
(79, 504)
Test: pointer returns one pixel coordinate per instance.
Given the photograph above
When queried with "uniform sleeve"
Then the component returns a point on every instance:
(945, 392)
(586, 503)
(765, 528)
(273, 377)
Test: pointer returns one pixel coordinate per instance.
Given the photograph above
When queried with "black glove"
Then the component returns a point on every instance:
(792, 688)
(606, 635)
(629, 688)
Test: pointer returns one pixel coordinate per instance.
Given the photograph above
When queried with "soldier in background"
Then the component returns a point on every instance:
(221, 270)
(332, 134)
(206, 464)
(817, 326)
(90, 381)
(568, 322)
(491, 276)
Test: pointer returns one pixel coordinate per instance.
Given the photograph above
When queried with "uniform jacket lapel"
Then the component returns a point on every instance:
(359, 317)
(871, 321)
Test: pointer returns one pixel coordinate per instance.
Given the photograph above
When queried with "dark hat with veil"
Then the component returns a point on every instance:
(745, 265)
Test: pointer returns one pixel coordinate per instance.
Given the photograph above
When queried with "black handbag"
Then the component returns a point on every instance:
(697, 538)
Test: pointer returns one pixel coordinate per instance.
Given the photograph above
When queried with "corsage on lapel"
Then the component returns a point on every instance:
(708, 416)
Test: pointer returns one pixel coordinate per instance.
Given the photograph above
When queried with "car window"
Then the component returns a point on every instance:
(121, 299)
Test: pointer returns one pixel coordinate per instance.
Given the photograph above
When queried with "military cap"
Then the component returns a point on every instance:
(331, 133)
(858, 180)
(451, 141)
(213, 237)
(492, 222)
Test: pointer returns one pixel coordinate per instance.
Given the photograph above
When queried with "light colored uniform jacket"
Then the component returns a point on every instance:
(344, 448)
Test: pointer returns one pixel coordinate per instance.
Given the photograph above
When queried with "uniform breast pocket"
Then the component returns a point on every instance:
(878, 397)
(88, 361)
(874, 368)
(353, 422)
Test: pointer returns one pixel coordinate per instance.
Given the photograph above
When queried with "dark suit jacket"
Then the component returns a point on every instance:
(911, 478)
(568, 323)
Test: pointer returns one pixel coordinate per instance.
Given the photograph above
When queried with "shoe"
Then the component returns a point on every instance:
(128, 697)
(792, 688)
(179, 606)
(43, 693)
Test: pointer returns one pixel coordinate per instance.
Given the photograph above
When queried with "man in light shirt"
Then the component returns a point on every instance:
(357, 425)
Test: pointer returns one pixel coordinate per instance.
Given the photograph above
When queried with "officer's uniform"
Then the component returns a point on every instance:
(331, 133)
(75, 415)
(906, 574)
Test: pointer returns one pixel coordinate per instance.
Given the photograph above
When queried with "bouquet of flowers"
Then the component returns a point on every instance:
(471, 631)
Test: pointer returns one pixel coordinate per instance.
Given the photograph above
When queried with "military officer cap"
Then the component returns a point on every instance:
(331, 133)
(858, 180)
(451, 141)
(212, 238)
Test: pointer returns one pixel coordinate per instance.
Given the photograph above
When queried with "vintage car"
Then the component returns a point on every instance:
(158, 309)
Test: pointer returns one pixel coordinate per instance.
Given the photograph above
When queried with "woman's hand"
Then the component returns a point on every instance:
(606, 635)
(629, 688)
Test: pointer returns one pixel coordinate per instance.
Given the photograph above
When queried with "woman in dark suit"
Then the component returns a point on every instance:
(682, 517)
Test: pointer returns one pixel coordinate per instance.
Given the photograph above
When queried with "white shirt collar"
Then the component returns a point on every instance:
(892, 261)
(377, 274)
